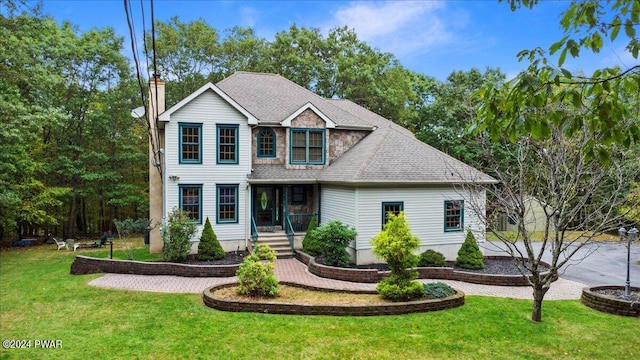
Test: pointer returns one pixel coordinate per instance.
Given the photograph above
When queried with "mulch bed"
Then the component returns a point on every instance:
(504, 266)
(619, 294)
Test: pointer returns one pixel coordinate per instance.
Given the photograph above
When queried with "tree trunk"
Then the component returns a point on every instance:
(538, 295)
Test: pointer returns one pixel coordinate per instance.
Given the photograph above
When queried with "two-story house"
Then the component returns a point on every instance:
(259, 155)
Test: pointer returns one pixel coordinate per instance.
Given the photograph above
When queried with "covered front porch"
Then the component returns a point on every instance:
(281, 214)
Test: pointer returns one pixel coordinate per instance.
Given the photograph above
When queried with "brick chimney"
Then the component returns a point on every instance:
(156, 163)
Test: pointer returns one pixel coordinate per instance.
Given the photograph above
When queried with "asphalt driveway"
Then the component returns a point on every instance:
(597, 263)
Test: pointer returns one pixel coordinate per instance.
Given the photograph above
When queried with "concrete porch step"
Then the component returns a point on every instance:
(277, 241)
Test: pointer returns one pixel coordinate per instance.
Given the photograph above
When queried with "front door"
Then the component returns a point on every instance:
(267, 205)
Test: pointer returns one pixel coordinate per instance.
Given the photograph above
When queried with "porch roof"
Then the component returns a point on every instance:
(278, 174)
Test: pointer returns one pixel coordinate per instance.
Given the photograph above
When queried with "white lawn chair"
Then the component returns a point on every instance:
(61, 244)
(71, 244)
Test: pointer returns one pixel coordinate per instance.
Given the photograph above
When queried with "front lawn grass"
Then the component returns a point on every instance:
(40, 300)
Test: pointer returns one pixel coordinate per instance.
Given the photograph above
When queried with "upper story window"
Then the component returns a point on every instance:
(453, 215)
(266, 143)
(307, 146)
(394, 208)
(190, 143)
(227, 144)
(191, 201)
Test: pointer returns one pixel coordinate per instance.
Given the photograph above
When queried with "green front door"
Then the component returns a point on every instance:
(267, 205)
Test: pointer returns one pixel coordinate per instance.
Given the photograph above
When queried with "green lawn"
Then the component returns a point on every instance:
(40, 300)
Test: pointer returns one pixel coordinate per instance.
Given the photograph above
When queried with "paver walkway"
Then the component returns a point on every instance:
(292, 270)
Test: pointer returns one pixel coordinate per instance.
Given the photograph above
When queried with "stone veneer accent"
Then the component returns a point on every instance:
(598, 302)
(281, 146)
(342, 140)
(443, 273)
(88, 265)
(338, 141)
(396, 308)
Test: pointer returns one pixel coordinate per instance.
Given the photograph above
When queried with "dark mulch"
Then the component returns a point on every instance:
(619, 294)
(491, 266)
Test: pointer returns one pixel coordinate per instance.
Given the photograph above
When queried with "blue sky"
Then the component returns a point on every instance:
(431, 37)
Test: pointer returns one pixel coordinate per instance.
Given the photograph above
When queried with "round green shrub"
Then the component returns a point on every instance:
(264, 252)
(438, 290)
(255, 274)
(431, 258)
(399, 289)
(209, 247)
(469, 255)
(176, 236)
(333, 239)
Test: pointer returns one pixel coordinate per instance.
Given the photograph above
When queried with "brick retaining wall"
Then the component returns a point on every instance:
(609, 305)
(396, 308)
(444, 273)
(89, 265)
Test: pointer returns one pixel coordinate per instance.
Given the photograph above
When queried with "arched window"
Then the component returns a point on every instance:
(266, 143)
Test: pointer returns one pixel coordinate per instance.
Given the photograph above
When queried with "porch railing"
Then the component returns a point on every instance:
(254, 232)
(288, 229)
(300, 222)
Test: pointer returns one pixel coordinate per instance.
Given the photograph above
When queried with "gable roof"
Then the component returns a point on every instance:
(272, 99)
(389, 154)
(165, 116)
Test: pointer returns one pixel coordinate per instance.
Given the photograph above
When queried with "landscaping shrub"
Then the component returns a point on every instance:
(310, 243)
(469, 255)
(438, 290)
(209, 247)
(255, 276)
(431, 258)
(176, 236)
(264, 252)
(397, 288)
(333, 238)
(395, 244)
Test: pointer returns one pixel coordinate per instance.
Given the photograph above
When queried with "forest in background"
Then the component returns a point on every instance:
(73, 159)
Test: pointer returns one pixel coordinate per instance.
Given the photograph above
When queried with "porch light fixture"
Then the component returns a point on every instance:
(174, 177)
(632, 235)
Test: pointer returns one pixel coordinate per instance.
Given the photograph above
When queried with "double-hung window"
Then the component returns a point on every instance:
(227, 144)
(190, 143)
(307, 146)
(453, 215)
(266, 143)
(394, 208)
(191, 201)
(227, 196)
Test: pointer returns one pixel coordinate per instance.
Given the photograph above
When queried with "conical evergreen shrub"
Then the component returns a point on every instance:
(209, 247)
(310, 243)
(469, 255)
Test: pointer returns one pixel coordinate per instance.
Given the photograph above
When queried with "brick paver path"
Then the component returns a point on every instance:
(292, 270)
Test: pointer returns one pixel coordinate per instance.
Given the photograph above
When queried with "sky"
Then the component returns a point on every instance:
(431, 37)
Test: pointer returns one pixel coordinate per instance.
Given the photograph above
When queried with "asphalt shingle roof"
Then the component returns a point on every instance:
(389, 154)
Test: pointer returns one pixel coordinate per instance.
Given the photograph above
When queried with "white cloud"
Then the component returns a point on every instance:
(248, 16)
(401, 27)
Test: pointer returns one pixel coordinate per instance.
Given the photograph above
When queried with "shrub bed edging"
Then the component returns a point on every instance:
(591, 298)
(441, 273)
(396, 308)
(90, 265)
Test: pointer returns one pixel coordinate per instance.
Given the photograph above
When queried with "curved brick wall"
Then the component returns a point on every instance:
(613, 306)
(88, 265)
(443, 273)
(397, 308)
